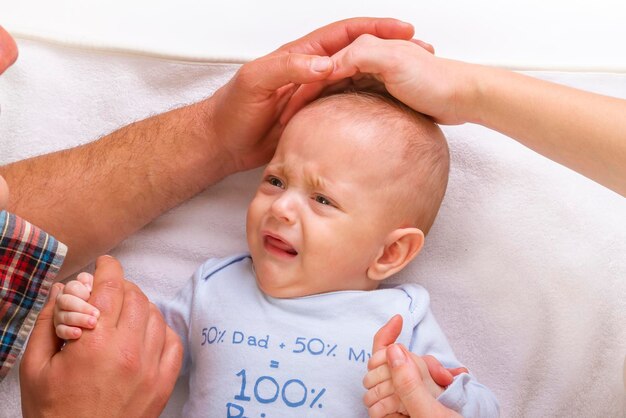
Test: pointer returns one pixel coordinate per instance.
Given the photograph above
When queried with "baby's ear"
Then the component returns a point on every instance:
(401, 246)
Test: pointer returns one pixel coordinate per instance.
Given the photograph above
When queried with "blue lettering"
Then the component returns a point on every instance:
(353, 356)
(232, 408)
(263, 342)
(237, 337)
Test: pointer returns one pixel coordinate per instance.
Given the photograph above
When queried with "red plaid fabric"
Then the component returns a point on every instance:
(29, 261)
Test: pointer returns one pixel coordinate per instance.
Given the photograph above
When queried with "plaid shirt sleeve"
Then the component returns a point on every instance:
(29, 261)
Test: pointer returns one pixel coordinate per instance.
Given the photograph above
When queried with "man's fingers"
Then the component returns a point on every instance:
(171, 359)
(331, 38)
(267, 74)
(108, 290)
(364, 59)
(133, 319)
(388, 333)
(306, 93)
(43, 343)
(154, 337)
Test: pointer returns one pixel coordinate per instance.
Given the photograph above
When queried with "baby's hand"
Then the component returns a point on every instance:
(71, 311)
(380, 398)
(380, 389)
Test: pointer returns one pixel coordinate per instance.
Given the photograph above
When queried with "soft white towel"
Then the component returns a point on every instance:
(525, 263)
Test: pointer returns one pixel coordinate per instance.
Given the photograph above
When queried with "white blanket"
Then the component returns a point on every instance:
(525, 263)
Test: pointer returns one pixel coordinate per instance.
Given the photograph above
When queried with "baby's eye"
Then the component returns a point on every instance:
(275, 181)
(323, 200)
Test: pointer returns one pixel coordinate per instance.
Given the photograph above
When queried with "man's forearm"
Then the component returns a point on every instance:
(93, 196)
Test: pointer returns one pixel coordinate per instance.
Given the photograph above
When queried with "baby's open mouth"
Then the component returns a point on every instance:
(278, 245)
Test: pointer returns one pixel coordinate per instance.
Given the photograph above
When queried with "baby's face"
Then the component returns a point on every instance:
(320, 216)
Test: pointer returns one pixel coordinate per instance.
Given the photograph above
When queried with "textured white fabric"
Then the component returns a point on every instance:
(525, 264)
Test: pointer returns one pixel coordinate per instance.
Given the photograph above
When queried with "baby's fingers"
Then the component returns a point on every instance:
(376, 376)
(73, 303)
(377, 359)
(378, 393)
(86, 279)
(66, 302)
(78, 289)
(74, 319)
(385, 407)
(67, 333)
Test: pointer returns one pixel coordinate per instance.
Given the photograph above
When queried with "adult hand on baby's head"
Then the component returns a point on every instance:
(244, 114)
(408, 70)
(126, 366)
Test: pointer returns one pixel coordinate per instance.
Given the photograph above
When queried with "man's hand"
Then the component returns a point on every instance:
(244, 114)
(126, 367)
(409, 70)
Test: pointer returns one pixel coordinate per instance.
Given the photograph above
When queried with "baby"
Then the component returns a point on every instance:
(285, 331)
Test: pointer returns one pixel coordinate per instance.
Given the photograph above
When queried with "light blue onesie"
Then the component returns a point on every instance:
(250, 355)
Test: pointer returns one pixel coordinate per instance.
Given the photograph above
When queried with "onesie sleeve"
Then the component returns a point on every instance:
(465, 395)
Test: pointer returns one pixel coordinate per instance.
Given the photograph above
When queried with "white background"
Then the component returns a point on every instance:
(531, 34)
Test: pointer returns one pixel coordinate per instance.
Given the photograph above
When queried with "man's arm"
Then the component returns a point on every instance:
(93, 196)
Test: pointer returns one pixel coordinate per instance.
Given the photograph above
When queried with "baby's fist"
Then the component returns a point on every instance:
(71, 311)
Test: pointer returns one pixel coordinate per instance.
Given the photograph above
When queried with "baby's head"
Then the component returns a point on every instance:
(355, 184)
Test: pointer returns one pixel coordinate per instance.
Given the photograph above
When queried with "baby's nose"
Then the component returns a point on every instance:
(285, 207)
